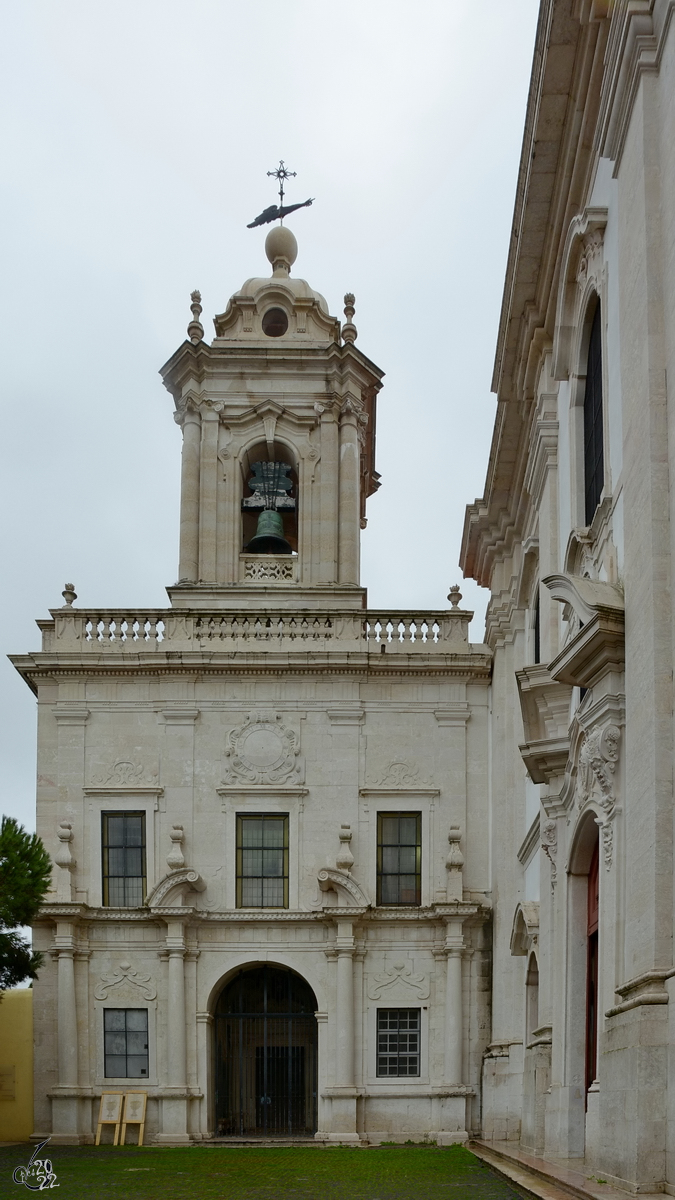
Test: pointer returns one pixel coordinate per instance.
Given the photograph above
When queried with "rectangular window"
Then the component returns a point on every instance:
(399, 858)
(262, 861)
(398, 1041)
(125, 1036)
(123, 838)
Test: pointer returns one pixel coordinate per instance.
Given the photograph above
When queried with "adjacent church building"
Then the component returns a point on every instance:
(323, 871)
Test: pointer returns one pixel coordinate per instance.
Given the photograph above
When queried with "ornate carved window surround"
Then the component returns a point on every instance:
(598, 647)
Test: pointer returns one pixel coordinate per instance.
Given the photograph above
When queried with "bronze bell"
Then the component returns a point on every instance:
(269, 536)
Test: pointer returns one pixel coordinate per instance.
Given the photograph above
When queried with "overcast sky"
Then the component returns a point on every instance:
(134, 148)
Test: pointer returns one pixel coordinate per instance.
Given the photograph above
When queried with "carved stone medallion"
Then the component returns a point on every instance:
(263, 750)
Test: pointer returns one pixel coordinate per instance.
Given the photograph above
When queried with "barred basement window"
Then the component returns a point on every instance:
(125, 1036)
(594, 461)
(123, 838)
(399, 858)
(398, 1041)
(262, 861)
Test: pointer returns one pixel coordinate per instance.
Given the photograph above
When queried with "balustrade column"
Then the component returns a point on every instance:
(189, 498)
(350, 513)
(67, 1019)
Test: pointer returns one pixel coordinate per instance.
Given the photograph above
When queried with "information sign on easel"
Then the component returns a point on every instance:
(134, 1114)
(110, 1113)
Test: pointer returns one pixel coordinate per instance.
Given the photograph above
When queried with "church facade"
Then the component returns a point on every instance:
(323, 871)
(270, 903)
(574, 537)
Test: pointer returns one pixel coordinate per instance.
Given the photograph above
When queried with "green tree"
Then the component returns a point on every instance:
(25, 870)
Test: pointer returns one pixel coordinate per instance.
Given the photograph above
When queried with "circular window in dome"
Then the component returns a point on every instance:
(275, 322)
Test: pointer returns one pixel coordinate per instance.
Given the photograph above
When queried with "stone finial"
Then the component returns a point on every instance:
(281, 249)
(349, 330)
(63, 857)
(63, 879)
(175, 859)
(69, 594)
(454, 595)
(195, 329)
(454, 863)
(345, 858)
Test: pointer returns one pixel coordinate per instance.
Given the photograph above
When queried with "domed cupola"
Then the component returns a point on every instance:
(279, 307)
(278, 421)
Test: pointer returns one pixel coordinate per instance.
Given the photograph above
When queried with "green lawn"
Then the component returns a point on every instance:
(314, 1173)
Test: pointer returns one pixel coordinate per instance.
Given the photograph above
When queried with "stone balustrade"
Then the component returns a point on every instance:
(144, 630)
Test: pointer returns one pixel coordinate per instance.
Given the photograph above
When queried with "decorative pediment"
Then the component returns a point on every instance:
(597, 644)
(545, 706)
(341, 881)
(182, 881)
(525, 931)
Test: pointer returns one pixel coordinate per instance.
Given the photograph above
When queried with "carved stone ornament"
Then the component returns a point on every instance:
(126, 974)
(549, 844)
(182, 880)
(598, 757)
(399, 774)
(331, 880)
(275, 569)
(400, 974)
(125, 774)
(263, 751)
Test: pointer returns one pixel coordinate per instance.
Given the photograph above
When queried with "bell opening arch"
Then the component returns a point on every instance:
(269, 504)
(265, 1054)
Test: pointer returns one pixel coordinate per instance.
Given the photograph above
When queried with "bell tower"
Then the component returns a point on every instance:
(278, 421)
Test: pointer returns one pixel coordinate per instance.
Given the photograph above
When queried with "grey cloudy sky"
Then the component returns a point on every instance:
(134, 148)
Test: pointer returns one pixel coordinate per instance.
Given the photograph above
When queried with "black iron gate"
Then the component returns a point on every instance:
(266, 1042)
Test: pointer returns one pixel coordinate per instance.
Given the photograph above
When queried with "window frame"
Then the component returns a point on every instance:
(127, 1055)
(241, 818)
(593, 419)
(381, 874)
(105, 847)
(399, 1054)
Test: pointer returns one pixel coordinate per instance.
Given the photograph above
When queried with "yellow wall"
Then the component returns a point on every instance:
(16, 1065)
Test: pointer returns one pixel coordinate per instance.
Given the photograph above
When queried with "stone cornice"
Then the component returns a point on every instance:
(35, 669)
(530, 842)
(545, 705)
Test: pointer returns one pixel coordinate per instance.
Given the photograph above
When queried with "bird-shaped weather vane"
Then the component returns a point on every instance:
(277, 212)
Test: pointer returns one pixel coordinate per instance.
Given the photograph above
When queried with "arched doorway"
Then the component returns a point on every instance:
(592, 968)
(266, 1055)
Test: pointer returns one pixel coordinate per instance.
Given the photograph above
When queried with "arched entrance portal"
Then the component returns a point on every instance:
(266, 1055)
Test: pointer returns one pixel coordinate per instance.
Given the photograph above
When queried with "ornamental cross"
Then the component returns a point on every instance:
(278, 211)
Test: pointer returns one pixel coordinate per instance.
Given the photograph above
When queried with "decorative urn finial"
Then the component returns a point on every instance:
(349, 330)
(69, 594)
(195, 329)
(345, 858)
(454, 863)
(454, 595)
